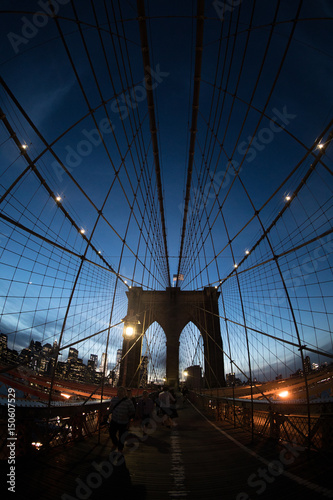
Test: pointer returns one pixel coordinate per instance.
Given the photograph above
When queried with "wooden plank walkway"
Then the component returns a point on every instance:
(197, 459)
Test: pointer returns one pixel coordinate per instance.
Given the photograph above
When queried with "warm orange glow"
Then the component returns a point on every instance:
(284, 394)
(67, 396)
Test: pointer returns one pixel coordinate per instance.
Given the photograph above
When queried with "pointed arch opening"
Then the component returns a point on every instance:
(153, 356)
(191, 356)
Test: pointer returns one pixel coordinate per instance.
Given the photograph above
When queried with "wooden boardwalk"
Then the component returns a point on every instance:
(197, 459)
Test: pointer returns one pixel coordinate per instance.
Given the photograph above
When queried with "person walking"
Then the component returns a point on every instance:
(122, 410)
(144, 410)
(165, 400)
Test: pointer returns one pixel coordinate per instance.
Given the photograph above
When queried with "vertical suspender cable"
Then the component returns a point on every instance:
(195, 109)
(152, 120)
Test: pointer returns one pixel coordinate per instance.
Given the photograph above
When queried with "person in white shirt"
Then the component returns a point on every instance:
(165, 400)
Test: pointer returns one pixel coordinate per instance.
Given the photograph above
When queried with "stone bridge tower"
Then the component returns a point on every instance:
(173, 309)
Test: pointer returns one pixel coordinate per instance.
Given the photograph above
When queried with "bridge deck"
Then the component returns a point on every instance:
(197, 459)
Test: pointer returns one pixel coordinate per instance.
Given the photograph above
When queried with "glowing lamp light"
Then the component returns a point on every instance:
(37, 445)
(284, 394)
(24, 146)
(320, 146)
(129, 331)
(288, 198)
(82, 231)
(235, 266)
(130, 325)
(64, 395)
(58, 198)
(247, 252)
(185, 373)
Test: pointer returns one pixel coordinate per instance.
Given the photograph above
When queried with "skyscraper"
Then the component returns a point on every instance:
(94, 358)
(73, 354)
(118, 360)
(101, 366)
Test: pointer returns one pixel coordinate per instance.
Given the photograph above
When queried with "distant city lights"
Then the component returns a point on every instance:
(37, 445)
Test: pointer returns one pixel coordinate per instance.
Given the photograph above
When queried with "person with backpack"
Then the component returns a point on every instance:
(122, 410)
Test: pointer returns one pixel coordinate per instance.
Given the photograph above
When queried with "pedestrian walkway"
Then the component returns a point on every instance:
(197, 459)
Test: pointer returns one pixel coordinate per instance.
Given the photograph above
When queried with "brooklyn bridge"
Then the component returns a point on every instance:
(166, 220)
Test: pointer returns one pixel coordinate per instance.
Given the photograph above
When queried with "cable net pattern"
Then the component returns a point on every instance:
(227, 131)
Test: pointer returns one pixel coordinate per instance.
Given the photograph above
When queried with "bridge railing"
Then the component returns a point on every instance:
(38, 428)
(281, 422)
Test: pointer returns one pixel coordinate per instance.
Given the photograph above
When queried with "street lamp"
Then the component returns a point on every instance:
(129, 333)
(130, 324)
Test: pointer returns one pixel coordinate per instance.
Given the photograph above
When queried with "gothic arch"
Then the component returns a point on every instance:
(191, 348)
(173, 309)
(154, 347)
